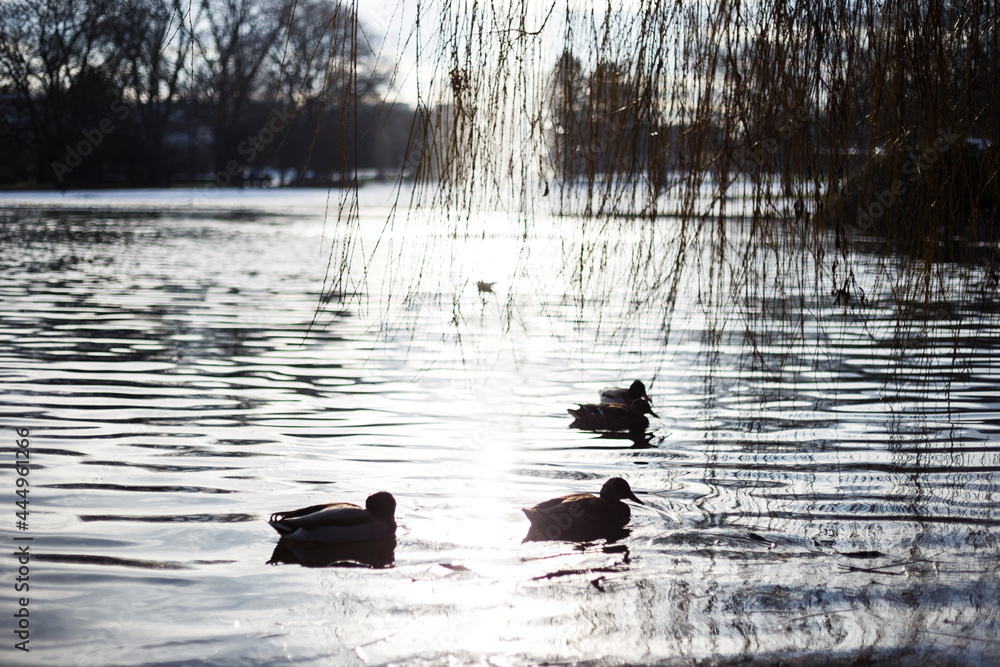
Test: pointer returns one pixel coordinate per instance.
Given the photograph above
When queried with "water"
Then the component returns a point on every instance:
(154, 345)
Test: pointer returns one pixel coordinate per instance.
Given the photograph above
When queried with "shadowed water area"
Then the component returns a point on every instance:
(164, 351)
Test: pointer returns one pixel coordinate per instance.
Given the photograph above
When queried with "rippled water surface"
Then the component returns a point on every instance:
(164, 352)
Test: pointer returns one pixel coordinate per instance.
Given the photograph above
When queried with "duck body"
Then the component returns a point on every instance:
(581, 517)
(612, 416)
(339, 523)
(625, 396)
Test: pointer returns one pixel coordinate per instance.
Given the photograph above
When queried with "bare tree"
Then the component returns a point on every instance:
(154, 44)
(326, 70)
(57, 67)
(233, 42)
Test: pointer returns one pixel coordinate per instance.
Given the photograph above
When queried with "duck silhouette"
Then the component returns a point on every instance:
(625, 396)
(582, 517)
(612, 416)
(339, 523)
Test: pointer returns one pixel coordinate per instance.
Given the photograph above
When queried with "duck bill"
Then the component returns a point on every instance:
(654, 414)
(631, 496)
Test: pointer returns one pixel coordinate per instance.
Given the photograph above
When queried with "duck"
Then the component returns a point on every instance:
(612, 416)
(339, 523)
(625, 396)
(582, 517)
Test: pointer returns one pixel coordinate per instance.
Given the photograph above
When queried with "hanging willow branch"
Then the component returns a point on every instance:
(761, 146)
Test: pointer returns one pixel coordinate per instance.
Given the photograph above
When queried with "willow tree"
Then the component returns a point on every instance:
(817, 128)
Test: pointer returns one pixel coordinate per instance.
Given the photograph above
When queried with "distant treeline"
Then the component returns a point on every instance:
(160, 92)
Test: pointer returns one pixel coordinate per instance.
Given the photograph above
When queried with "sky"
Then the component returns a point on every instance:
(390, 22)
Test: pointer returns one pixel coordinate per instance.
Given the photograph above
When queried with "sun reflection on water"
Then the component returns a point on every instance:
(168, 425)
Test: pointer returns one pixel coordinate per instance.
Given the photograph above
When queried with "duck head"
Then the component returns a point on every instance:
(617, 488)
(382, 505)
(637, 390)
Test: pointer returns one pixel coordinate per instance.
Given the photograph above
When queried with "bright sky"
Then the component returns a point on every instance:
(390, 22)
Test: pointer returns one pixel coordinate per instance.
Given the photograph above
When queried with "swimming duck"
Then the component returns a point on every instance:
(612, 416)
(339, 523)
(582, 517)
(625, 396)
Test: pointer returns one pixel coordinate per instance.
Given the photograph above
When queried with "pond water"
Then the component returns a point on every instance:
(164, 352)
